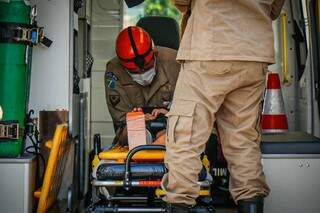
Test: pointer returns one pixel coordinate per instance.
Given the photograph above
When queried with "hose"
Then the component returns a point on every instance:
(32, 133)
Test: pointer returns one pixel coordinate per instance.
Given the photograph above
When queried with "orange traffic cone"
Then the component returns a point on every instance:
(273, 119)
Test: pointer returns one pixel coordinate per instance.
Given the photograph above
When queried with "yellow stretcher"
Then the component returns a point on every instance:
(122, 176)
(121, 187)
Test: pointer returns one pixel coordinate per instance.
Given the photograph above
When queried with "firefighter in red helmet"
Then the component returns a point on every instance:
(141, 75)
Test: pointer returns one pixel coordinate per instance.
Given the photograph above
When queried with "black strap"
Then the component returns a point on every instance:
(46, 41)
(132, 59)
(133, 44)
(10, 31)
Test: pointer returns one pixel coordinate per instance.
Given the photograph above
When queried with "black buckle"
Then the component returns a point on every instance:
(9, 130)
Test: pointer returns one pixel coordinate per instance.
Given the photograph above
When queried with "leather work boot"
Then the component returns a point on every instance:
(178, 208)
(253, 205)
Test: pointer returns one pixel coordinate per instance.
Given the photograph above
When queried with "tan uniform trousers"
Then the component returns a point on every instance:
(228, 93)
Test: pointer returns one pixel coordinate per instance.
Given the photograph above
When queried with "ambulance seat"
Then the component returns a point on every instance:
(163, 30)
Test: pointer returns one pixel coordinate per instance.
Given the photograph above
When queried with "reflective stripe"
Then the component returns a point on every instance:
(266, 131)
(273, 104)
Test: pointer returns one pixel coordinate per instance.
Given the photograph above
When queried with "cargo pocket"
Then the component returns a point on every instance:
(180, 121)
(258, 121)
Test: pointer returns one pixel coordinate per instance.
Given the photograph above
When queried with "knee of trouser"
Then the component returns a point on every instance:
(180, 121)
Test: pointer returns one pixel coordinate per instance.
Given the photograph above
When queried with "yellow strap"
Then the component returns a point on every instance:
(49, 144)
(95, 161)
(283, 19)
(206, 162)
(37, 193)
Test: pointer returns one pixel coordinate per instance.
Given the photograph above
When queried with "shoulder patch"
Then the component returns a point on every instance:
(111, 80)
(110, 75)
(110, 83)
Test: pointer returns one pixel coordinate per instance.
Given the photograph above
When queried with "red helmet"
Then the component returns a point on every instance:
(134, 48)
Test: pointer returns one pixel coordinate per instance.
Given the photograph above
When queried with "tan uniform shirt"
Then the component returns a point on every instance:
(123, 94)
(238, 30)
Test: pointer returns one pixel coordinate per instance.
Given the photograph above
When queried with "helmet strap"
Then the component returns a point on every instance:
(139, 60)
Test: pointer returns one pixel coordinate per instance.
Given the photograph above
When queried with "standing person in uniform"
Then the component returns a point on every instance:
(140, 76)
(225, 50)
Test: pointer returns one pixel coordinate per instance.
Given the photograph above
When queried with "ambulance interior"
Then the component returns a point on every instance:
(69, 161)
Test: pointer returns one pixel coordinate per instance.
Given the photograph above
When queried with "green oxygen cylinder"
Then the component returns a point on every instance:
(14, 71)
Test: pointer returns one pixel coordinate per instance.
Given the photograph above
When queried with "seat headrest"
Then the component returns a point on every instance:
(163, 30)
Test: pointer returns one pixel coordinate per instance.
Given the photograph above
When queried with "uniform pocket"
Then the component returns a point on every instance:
(219, 68)
(180, 121)
(258, 124)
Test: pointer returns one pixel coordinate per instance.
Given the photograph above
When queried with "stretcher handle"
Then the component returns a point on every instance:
(97, 144)
(127, 174)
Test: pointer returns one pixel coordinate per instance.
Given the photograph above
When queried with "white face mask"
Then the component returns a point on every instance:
(145, 78)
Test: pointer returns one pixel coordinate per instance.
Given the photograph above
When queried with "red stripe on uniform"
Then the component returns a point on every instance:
(274, 122)
(273, 81)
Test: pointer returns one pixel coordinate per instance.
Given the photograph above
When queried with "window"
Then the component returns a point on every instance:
(149, 8)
